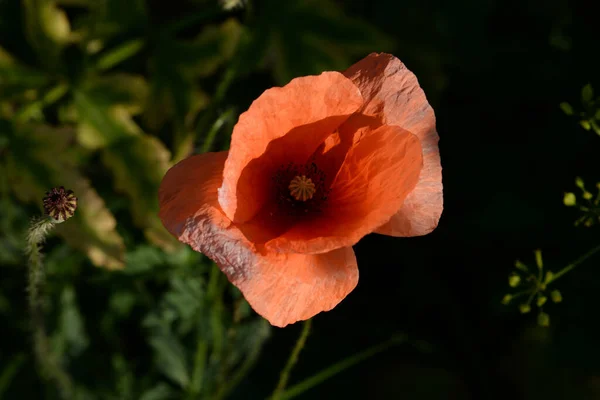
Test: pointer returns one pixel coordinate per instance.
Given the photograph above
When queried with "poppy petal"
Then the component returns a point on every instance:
(190, 187)
(286, 288)
(392, 92)
(283, 288)
(305, 111)
(375, 178)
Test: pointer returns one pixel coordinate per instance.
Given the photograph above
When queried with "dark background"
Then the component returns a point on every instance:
(495, 73)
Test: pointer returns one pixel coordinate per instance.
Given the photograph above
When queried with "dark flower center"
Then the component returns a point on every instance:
(300, 189)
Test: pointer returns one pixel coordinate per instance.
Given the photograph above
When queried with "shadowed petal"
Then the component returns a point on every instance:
(283, 288)
(392, 92)
(372, 183)
(310, 107)
(286, 288)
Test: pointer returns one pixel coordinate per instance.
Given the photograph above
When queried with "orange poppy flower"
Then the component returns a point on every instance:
(312, 168)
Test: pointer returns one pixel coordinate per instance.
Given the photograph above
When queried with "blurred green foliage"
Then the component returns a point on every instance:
(102, 96)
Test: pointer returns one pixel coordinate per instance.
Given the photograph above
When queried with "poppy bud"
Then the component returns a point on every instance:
(60, 204)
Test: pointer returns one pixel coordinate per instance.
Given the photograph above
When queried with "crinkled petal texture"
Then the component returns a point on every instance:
(392, 93)
(284, 124)
(376, 176)
(283, 288)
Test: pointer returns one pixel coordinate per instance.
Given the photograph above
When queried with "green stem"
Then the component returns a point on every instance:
(246, 366)
(292, 360)
(336, 368)
(575, 263)
(49, 365)
(195, 387)
(212, 133)
(214, 294)
(205, 121)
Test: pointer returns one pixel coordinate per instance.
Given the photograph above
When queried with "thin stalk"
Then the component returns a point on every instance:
(292, 360)
(50, 367)
(336, 368)
(574, 264)
(195, 387)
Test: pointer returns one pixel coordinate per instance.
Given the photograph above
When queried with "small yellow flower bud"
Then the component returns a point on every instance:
(524, 308)
(538, 259)
(566, 108)
(543, 319)
(519, 265)
(587, 195)
(569, 199)
(506, 299)
(585, 124)
(556, 296)
(514, 280)
(549, 277)
(541, 301)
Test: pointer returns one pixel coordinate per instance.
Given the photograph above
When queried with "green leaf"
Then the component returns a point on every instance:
(176, 66)
(9, 371)
(170, 357)
(161, 391)
(108, 18)
(138, 164)
(143, 259)
(33, 167)
(186, 298)
(122, 302)
(47, 29)
(308, 36)
(105, 106)
(119, 54)
(124, 377)
(22, 76)
(19, 80)
(70, 338)
(100, 125)
(118, 89)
